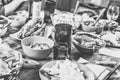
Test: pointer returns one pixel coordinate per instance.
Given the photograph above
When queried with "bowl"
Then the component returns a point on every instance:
(86, 71)
(66, 17)
(88, 27)
(36, 53)
(88, 49)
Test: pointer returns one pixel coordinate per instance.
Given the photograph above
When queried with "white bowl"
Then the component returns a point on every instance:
(36, 53)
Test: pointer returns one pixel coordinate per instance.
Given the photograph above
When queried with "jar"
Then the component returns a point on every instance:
(62, 37)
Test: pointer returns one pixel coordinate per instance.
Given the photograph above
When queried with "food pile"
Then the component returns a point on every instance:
(65, 70)
(68, 18)
(40, 46)
(109, 34)
(112, 38)
(32, 28)
(9, 59)
(107, 24)
(4, 69)
(18, 20)
(88, 41)
(12, 58)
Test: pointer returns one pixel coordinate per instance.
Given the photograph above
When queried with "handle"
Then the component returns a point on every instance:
(76, 7)
(112, 72)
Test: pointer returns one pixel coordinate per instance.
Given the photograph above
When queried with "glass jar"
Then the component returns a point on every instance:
(62, 38)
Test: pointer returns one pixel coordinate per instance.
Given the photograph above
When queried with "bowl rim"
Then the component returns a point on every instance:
(23, 45)
(65, 13)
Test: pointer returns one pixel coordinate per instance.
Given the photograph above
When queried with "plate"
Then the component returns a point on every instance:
(14, 57)
(9, 53)
(112, 39)
(86, 71)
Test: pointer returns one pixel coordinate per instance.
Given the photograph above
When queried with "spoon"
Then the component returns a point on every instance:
(76, 7)
(99, 17)
(48, 75)
(112, 72)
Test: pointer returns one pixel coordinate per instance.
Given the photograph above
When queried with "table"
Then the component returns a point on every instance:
(29, 74)
(33, 74)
